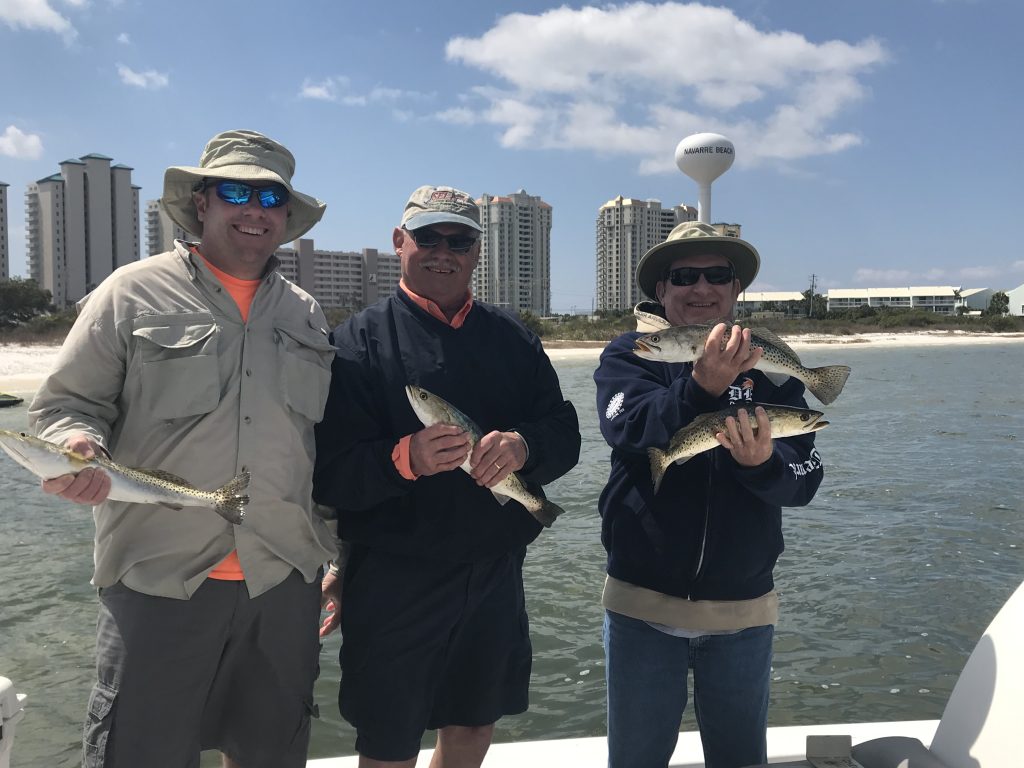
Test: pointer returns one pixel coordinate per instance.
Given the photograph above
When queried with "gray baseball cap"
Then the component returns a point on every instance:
(441, 205)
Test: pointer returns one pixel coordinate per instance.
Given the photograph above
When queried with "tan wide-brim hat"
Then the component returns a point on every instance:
(692, 238)
(239, 156)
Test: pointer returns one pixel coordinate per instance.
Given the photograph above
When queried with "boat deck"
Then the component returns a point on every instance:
(785, 744)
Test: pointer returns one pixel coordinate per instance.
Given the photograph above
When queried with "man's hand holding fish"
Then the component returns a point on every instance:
(91, 485)
(725, 359)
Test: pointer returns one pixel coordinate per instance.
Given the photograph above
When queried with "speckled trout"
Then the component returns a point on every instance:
(685, 344)
(141, 486)
(431, 409)
(699, 435)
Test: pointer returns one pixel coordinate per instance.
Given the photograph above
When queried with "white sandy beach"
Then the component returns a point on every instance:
(23, 367)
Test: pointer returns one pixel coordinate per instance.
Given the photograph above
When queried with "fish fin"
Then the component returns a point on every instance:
(233, 509)
(169, 505)
(828, 381)
(162, 474)
(658, 466)
(778, 379)
(501, 497)
(547, 513)
(231, 498)
(775, 339)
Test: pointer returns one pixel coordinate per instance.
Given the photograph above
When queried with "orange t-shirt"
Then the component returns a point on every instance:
(242, 291)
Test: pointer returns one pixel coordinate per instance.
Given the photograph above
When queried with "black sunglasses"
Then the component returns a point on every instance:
(426, 237)
(690, 275)
(239, 193)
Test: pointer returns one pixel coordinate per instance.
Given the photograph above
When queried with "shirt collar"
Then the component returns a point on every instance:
(434, 310)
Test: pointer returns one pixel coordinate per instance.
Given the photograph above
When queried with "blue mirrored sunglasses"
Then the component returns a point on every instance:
(426, 237)
(239, 193)
(690, 275)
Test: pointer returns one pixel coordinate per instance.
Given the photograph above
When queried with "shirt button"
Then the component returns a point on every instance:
(247, 420)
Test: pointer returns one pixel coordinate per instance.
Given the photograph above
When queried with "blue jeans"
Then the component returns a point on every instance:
(646, 675)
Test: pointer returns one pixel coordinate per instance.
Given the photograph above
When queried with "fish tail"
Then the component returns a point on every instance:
(231, 499)
(827, 382)
(547, 512)
(658, 466)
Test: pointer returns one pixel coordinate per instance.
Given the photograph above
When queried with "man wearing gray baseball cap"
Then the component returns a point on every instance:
(434, 621)
(206, 363)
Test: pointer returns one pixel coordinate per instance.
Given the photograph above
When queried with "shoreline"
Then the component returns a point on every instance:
(574, 350)
(24, 366)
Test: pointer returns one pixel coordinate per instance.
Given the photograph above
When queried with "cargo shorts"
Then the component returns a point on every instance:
(218, 671)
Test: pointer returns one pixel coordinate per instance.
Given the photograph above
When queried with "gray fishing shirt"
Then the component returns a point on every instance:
(160, 369)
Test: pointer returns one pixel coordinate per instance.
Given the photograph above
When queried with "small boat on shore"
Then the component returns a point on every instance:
(6, 401)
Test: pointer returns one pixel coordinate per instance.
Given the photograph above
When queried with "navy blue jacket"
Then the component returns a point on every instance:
(492, 369)
(714, 530)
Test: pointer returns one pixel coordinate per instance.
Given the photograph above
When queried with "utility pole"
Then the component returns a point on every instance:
(810, 297)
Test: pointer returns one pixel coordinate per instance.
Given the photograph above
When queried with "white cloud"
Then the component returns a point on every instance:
(124, 39)
(149, 80)
(883, 278)
(635, 78)
(37, 14)
(338, 89)
(20, 145)
(980, 273)
(327, 90)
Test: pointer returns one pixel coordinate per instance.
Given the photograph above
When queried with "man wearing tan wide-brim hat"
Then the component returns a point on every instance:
(206, 364)
(691, 554)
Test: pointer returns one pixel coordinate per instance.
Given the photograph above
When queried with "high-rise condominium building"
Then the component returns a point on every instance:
(515, 259)
(81, 225)
(161, 232)
(5, 252)
(340, 279)
(626, 229)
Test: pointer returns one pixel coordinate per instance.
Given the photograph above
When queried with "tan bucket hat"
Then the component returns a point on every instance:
(239, 156)
(691, 238)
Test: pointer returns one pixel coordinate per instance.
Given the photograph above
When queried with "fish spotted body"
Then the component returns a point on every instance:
(685, 344)
(431, 409)
(142, 486)
(699, 435)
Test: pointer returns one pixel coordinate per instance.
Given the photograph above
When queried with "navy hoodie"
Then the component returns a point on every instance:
(714, 530)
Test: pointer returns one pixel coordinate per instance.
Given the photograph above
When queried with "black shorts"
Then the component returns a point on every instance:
(428, 645)
(218, 671)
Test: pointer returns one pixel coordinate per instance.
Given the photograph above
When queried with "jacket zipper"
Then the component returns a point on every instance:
(704, 533)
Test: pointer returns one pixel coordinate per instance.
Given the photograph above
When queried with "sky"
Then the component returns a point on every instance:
(878, 143)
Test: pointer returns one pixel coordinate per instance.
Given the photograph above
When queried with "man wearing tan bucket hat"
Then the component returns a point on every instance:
(689, 583)
(206, 363)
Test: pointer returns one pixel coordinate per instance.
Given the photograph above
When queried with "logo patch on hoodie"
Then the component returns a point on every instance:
(614, 406)
(743, 393)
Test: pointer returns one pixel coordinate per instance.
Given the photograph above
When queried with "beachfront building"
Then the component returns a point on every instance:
(771, 304)
(81, 225)
(161, 232)
(626, 229)
(975, 299)
(340, 279)
(514, 270)
(941, 299)
(1016, 297)
(5, 253)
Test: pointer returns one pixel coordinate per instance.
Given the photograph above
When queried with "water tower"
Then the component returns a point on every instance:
(704, 157)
